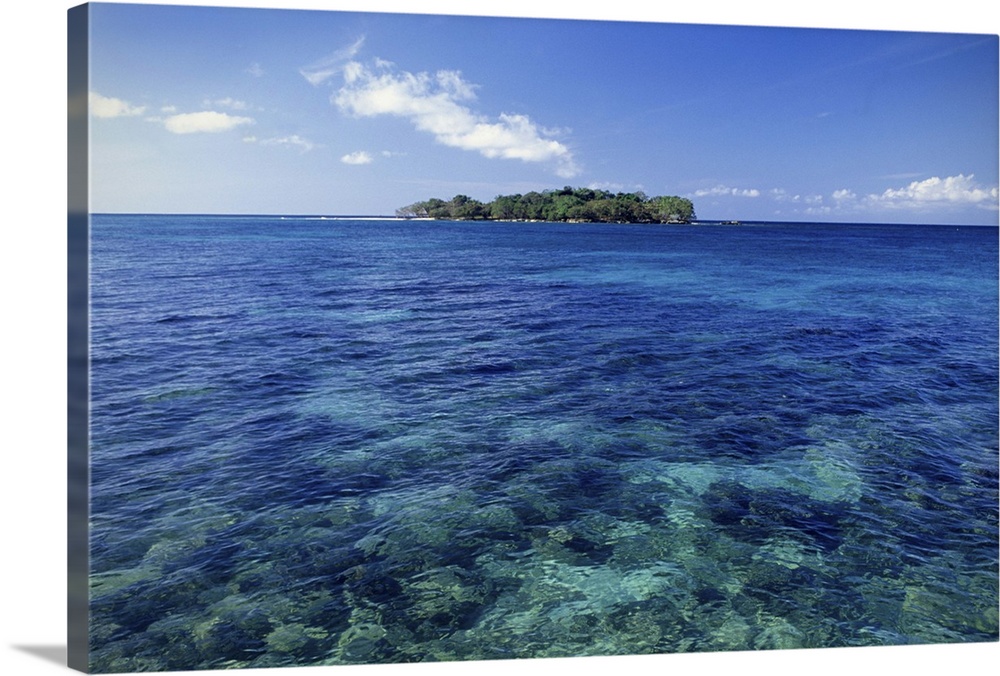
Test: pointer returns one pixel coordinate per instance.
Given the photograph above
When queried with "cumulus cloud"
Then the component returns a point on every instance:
(107, 107)
(721, 190)
(438, 104)
(358, 157)
(953, 190)
(844, 195)
(207, 121)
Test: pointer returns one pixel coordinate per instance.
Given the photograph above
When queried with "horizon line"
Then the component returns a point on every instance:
(386, 217)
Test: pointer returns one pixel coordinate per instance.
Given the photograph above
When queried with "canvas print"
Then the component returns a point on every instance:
(405, 338)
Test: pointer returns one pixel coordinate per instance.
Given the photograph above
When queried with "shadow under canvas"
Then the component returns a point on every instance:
(49, 653)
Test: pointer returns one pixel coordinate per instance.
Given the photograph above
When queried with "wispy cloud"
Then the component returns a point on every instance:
(293, 141)
(319, 72)
(952, 190)
(439, 104)
(107, 107)
(722, 190)
(782, 195)
(358, 157)
(207, 121)
(228, 102)
(255, 70)
(606, 185)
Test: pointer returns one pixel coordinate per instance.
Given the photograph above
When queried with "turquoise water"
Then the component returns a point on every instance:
(336, 441)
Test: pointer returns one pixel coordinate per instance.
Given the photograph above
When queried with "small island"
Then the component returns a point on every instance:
(579, 205)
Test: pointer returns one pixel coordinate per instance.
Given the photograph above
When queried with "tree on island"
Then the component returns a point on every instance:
(567, 205)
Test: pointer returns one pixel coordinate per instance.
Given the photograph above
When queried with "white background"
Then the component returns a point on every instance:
(33, 377)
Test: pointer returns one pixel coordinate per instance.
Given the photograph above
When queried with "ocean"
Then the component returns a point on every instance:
(331, 441)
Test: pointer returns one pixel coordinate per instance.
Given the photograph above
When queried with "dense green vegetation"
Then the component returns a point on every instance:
(568, 204)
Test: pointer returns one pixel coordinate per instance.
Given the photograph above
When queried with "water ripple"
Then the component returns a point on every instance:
(392, 442)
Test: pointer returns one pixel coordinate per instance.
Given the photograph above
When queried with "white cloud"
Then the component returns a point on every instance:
(107, 107)
(255, 70)
(721, 190)
(611, 186)
(228, 102)
(608, 186)
(959, 189)
(844, 195)
(435, 104)
(782, 195)
(321, 71)
(358, 157)
(206, 121)
(294, 141)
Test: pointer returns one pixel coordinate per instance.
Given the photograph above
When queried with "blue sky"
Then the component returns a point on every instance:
(247, 110)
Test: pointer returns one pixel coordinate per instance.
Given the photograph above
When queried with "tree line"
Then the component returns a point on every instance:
(568, 204)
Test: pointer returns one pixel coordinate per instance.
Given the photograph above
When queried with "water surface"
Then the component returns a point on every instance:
(335, 441)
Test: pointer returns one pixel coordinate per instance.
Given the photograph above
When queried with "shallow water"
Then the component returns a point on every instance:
(323, 442)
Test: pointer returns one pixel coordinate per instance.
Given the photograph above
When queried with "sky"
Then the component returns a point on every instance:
(250, 110)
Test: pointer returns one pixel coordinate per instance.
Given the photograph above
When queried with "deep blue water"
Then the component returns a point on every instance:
(342, 441)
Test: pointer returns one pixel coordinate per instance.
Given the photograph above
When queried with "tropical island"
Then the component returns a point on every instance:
(582, 205)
